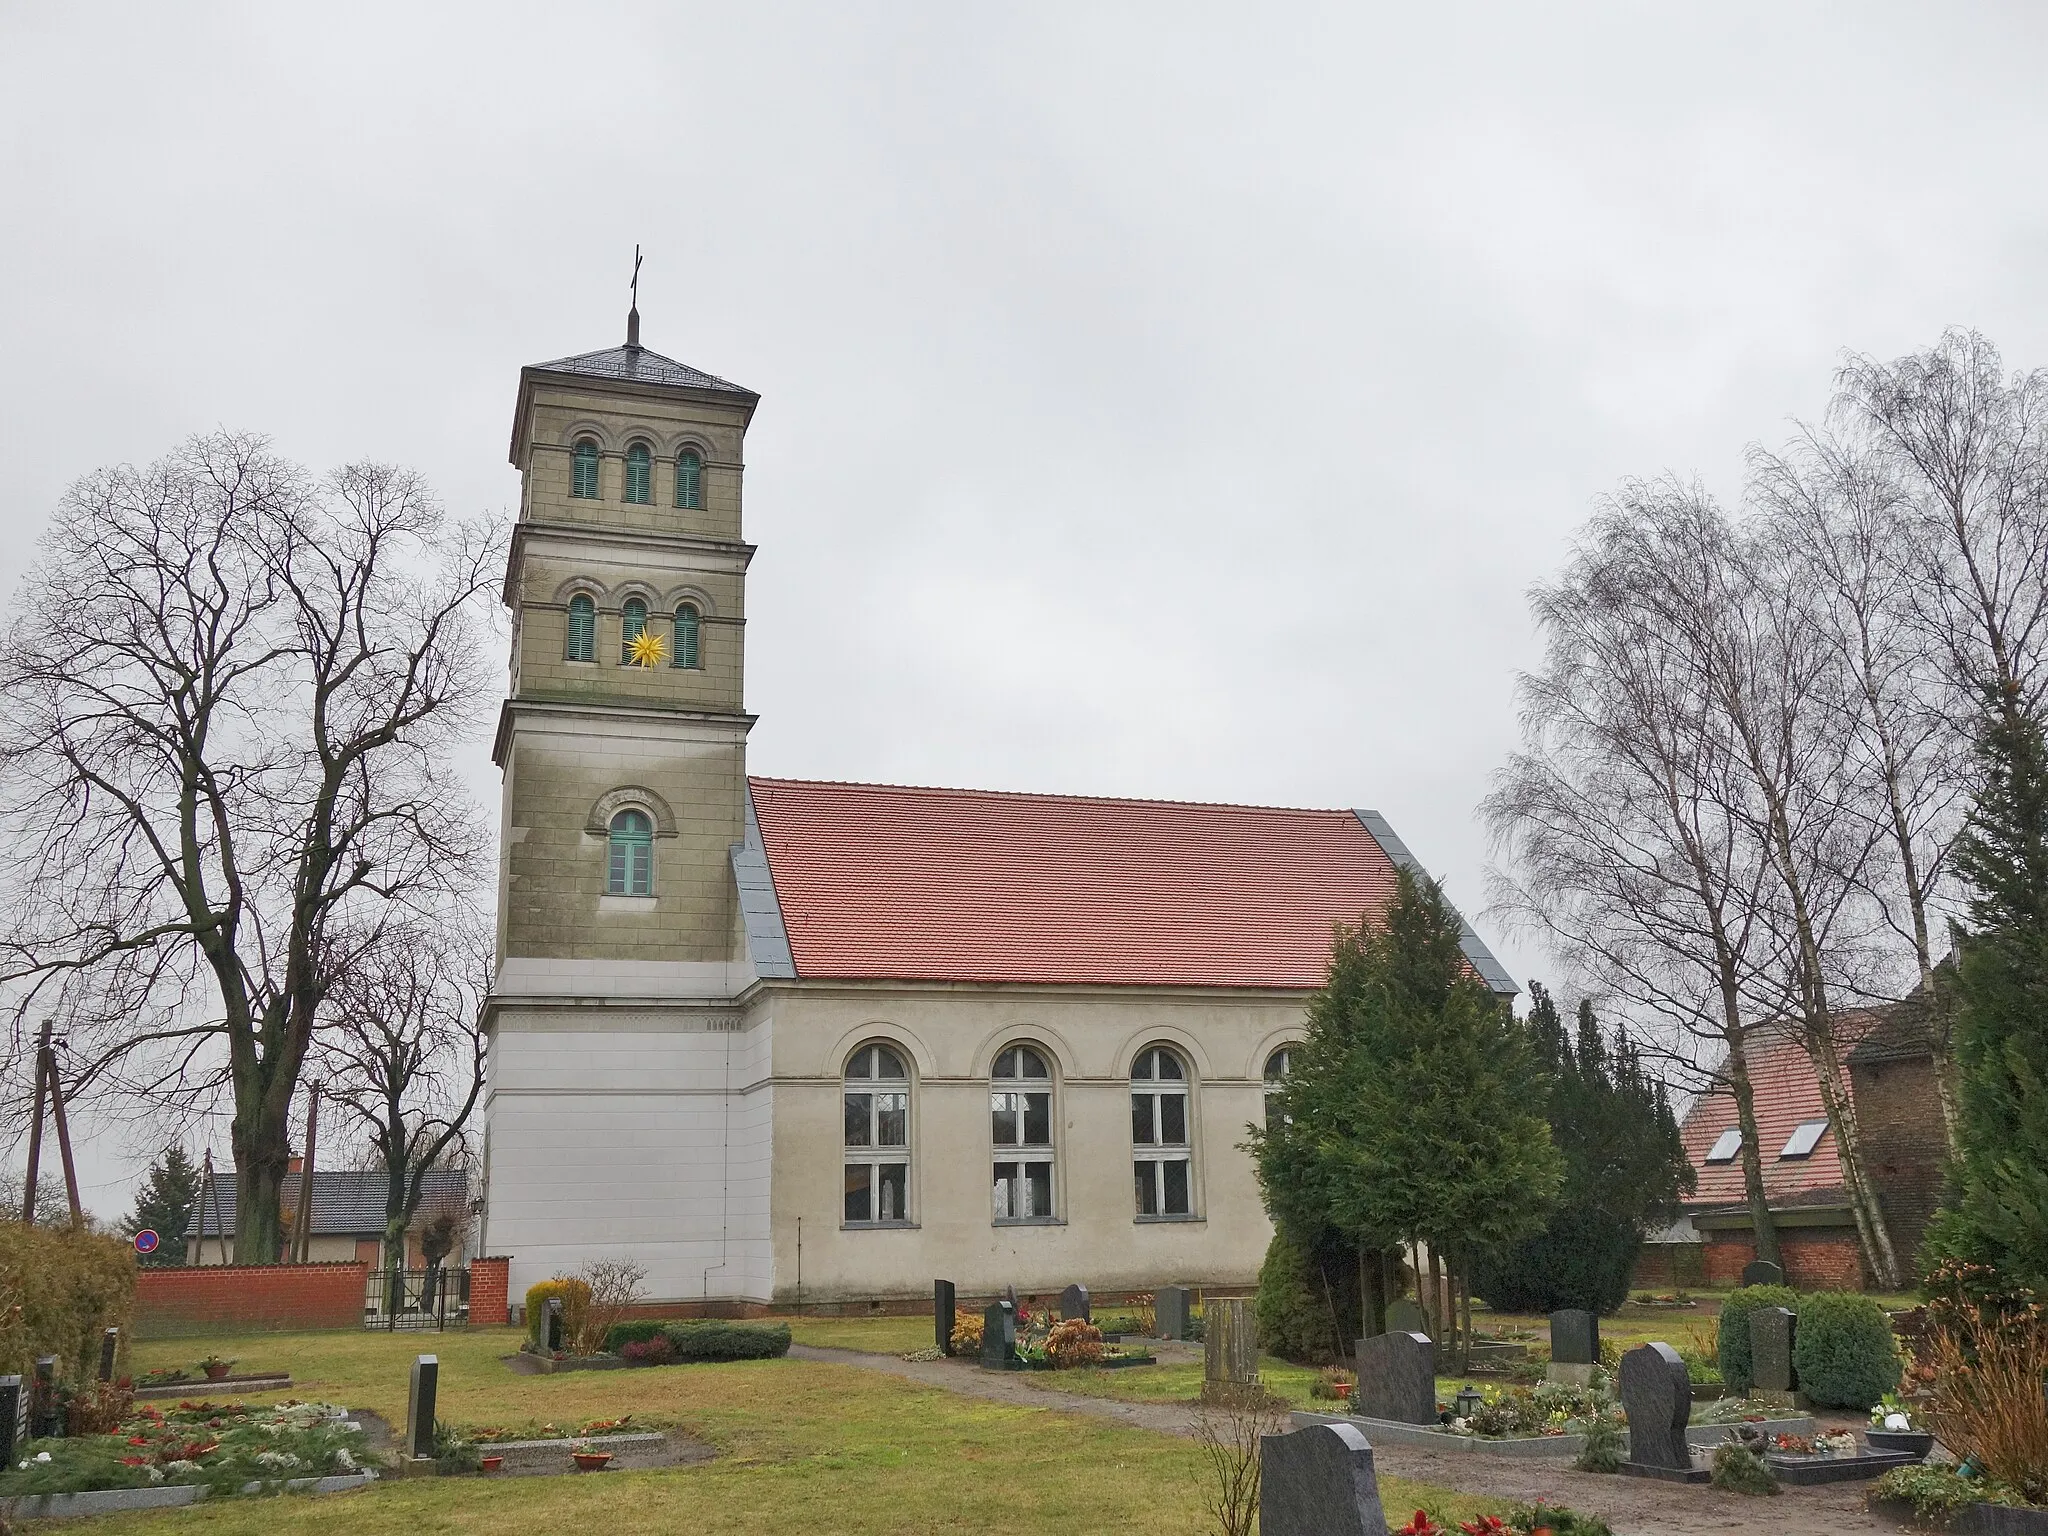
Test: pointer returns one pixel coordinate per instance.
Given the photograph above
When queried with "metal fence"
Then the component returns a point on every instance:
(416, 1299)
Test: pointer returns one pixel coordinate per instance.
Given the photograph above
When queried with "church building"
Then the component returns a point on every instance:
(777, 1039)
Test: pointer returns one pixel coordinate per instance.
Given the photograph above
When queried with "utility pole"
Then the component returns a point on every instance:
(47, 1083)
(302, 1238)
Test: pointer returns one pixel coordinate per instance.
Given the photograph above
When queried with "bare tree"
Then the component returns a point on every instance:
(226, 703)
(404, 1052)
(1620, 827)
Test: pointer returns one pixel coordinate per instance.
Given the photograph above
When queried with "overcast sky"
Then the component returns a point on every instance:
(1171, 400)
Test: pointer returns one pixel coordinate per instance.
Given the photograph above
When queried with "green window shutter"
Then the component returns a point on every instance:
(583, 471)
(630, 868)
(639, 474)
(689, 479)
(686, 637)
(632, 620)
(582, 629)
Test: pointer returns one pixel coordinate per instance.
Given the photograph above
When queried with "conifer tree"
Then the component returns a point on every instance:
(1999, 1212)
(164, 1204)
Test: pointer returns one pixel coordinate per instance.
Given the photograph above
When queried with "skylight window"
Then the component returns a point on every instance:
(1725, 1148)
(1805, 1137)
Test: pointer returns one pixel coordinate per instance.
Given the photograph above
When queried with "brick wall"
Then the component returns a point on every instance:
(1905, 1145)
(1669, 1267)
(1816, 1259)
(488, 1281)
(203, 1298)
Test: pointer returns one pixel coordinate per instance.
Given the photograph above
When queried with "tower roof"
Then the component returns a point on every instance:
(637, 365)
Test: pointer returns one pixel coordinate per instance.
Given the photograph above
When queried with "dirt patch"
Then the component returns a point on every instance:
(672, 1450)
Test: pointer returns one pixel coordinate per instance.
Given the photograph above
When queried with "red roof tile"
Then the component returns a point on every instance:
(1786, 1094)
(881, 882)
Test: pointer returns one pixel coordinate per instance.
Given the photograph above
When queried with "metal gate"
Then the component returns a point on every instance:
(417, 1298)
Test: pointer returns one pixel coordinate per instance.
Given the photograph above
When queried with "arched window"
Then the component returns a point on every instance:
(689, 478)
(632, 620)
(639, 474)
(686, 636)
(582, 628)
(1160, 1148)
(583, 470)
(1276, 1074)
(1020, 1112)
(877, 1138)
(630, 871)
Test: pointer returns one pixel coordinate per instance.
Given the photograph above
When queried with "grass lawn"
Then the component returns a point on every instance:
(802, 1445)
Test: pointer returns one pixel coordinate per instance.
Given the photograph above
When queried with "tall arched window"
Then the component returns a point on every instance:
(639, 474)
(1160, 1148)
(582, 628)
(1276, 1074)
(689, 478)
(1020, 1112)
(632, 620)
(583, 470)
(686, 636)
(630, 870)
(877, 1138)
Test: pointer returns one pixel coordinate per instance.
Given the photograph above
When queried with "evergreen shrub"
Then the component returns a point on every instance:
(1843, 1350)
(638, 1331)
(575, 1296)
(1293, 1306)
(60, 1288)
(1733, 1344)
(711, 1340)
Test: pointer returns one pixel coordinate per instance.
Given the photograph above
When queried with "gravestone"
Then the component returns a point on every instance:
(419, 1406)
(43, 1410)
(1770, 1350)
(1656, 1394)
(1170, 1311)
(1762, 1272)
(551, 1327)
(109, 1342)
(998, 1336)
(1230, 1352)
(1406, 1316)
(13, 1418)
(1397, 1378)
(944, 1306)
(1574, 1346)
(1074, 1303)
(1319, 1482)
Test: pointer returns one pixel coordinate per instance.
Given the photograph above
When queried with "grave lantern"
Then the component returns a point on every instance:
(1469, 1402)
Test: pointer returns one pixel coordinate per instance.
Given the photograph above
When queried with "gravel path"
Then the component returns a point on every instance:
(1634, 1506)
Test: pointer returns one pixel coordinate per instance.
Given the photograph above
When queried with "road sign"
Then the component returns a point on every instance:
(146, 1241)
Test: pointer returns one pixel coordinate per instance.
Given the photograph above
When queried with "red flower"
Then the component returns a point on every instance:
(1485, 1525)
(1421, 1525)
(138, 1439)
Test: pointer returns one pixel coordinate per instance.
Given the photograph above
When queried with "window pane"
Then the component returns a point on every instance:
(858, 1107)
(1176, 1202)
(1141, 1119)
(895, 1192)
(1037, 1119)
(892, 1119)
(617, 874)
(1724, 1149)
(1169, 1065)
(1173, 1119)
(862, 1064)
(1004, 1185)
(888, 1063)
(1038, 1189)
(641, 878)
(1148, 1192)
(858, 1204)
(1144, 1067)
(1003, 1118)
(1276, 1065)
(1006, 1064)
(1030, 1063)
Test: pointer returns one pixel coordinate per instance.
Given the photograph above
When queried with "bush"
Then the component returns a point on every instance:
(575, 1296)
(1739, 1469)
(728, 1341)
(1076, 1341)
(1843, 1350)
(654, 1351)
(1988, 1368)
(966, 1333)
(62, 1287)
(1307, 1301)
(1606, 1439)
(1732, 1347)
(639, 1331)
(1585, 1258)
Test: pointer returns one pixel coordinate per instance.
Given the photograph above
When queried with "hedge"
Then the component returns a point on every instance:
(1732, 1352)
(1843, 1350)
(60, 1288)
(704, 1341)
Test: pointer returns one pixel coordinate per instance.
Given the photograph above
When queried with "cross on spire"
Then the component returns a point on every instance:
(633, 314)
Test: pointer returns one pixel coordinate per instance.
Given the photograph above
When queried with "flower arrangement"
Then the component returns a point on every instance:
(966, 1334)
(1074, 1342)
(214, 1367)
(219, 1446)
(1890, 1413)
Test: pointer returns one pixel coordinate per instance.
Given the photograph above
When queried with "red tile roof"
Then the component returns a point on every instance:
(1786, 1093)
(881, 882)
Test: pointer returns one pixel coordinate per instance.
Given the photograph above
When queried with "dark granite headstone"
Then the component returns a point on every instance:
(109, 1342)
(1406, 1316)
(419, 1406)
(1770, 1349)
(551, 1326)
(944, 1307)
(1074, 1303)
(1397, 1378)
(1170, 1311)
(1762, 1272)
(1574, 1337)
(998, 1336)
(43, 1411)
(1656, 1394)
(1319, 1482)
(13, 1418)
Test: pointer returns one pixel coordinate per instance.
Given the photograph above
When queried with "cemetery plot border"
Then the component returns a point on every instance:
(1797, 1471)
(60, 1506)
(1562, 1447)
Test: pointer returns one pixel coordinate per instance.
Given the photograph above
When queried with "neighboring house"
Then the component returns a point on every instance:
(348, 1216)
(1890, 1085)
(774, 1038)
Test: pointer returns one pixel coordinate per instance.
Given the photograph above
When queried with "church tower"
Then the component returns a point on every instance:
(623, 741)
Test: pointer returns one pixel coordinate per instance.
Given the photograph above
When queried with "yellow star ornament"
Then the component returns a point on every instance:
(648, 650)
